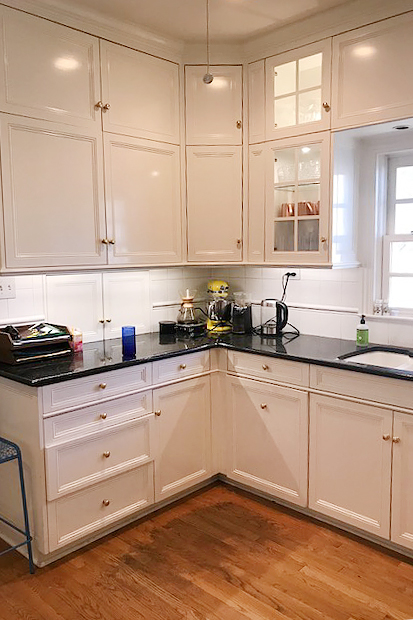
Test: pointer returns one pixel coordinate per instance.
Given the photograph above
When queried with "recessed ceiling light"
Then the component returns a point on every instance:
(66, 63)
(305, 149)
(364, 51)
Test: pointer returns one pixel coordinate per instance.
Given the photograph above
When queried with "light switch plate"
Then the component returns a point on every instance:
(7, 287)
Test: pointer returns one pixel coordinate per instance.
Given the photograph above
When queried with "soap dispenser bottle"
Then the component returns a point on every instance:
(362, 338)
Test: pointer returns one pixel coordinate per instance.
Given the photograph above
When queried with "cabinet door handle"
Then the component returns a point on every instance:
(386, 437)
(106, 502)
(239, 124)
(265, 367)
(106, 454)
(182, 366)
(263, 405)
(239, 242)
(326, 106)
(157, 412)
(99, 105)
(111, 241)
(396, 440)
(101, 320)
(323, 239)
(108, 320)
(105, 241)
(102, 385)
(106, 107)
(103, 416)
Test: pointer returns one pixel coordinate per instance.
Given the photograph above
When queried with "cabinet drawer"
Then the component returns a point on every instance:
(362, 385)
(76, 464)
(181, 366)
(95, 508)
(81, 422)
(85, 390)
(264, 367)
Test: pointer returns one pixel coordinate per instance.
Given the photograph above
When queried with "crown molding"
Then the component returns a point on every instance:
(331, 22)
(93, 23)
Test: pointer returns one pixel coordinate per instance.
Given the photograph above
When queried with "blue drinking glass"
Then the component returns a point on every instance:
(128, 341)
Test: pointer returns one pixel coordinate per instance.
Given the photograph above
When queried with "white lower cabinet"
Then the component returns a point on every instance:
(268, 438)
(350, 462)
(402, 488)
(182, 435)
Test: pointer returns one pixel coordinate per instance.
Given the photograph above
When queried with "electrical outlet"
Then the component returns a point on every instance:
(296, 272)
(7, 287)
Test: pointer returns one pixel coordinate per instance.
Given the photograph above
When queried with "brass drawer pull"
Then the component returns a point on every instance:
(106, 502)
(263, 405)
(182, 366)
(158, 412)
(396, 439)
(326, 106)
(265, 367)
(103, 416)
(106, 454)
(102, 386)
(386, 437)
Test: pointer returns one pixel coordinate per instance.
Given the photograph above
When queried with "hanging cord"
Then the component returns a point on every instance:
(284, 282)
(208, 77)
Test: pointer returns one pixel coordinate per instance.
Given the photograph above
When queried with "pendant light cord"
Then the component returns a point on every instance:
(207, 33)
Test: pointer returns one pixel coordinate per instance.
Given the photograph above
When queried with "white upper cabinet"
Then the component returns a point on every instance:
(256, 202)
(297, 202)
(53, 194)
(256, 101)
(298, 91)
(214, 203)
(140, 94)
(371, 79)
(214, 111)
(143, 201)
(48, 71)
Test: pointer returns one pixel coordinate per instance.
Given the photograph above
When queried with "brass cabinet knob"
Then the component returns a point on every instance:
(106, 502)
(102, 386)
(99, 105)
(239, 124)
(386, 437)
(263, 405)
(326, 106)
(265, 367)
(323, 239)
(157, 412)
(239, 241)
(106, 107)
(105, 241)
(101, 320)
(108, 320)
(396, 440)
(182, 366)
(103, 416)
(106, 454)
(111, 241)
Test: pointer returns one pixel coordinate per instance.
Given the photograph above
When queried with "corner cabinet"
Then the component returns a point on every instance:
(298, 91)
(297, 202)
(402, 488)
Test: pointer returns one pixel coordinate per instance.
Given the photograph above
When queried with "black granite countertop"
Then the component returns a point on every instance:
(102, 356)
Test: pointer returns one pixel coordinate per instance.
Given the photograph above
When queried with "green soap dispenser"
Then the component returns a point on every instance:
(362, 332)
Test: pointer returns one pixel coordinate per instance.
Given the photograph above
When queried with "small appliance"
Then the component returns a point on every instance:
(274, 317)
(219, 307)
(241, 315)
(187, 324)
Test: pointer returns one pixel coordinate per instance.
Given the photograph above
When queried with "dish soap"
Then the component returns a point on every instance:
(362, 332)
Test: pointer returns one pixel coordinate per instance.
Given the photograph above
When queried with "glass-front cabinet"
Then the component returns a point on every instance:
(298, 91)
(297, 202)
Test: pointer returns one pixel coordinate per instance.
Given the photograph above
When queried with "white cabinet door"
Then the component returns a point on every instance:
(214, 203)
(76, 300)
(256, 102)
(53, 198)
(297, 201)
(48, 71)
(214, 111)
(350, 463)
(143, 198)
(142, 92)
(268, 438)
(370, 83)
(126, 302)
(256, 203)
(402, 489)
(298, 86)
(183, 431)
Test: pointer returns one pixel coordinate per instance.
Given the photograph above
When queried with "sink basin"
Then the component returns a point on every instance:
(385, 358)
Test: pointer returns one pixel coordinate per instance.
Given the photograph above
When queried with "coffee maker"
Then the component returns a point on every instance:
(241, 316)
(218, 307)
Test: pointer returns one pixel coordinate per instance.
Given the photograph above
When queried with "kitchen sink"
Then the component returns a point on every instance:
(385, 357)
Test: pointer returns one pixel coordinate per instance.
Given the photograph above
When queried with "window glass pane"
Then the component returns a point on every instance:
(285, 79)
(401, 257)
(404, 182)
(284, 166)
(401, 292)
(284, 198)
(403, 219)
(309, 106)
(284, 236)
(309, 162)
(308, 235)
(284, 112)
(309, 71)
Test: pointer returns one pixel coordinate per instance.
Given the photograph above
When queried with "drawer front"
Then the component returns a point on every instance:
(85, 390)
(181, 366)
(79, 515)
(361, 385)
(81, 422)
(263, 367)
(76, 464)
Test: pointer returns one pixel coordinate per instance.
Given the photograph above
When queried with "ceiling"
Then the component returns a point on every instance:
(230, 20)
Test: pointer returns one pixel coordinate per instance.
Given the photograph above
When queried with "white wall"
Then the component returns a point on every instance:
(322, 302)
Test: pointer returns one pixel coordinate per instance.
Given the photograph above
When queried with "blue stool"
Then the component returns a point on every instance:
(9, 451)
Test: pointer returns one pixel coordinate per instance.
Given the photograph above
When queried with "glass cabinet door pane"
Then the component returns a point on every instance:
(285, 111)
(308, 199)
(285, 79)
(308, 235)
(284, 201)
(309, 162)
(284, 236)
(284, 166)
(309, 106)
(309, 71)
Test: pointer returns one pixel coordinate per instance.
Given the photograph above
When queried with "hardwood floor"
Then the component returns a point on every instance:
(221, 555)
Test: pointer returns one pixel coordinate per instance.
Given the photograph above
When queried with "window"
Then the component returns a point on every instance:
(397, 278)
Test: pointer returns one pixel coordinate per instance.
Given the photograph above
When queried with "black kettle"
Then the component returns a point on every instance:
(274, 317)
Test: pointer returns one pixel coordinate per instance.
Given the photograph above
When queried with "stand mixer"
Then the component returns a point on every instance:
(218, 308)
